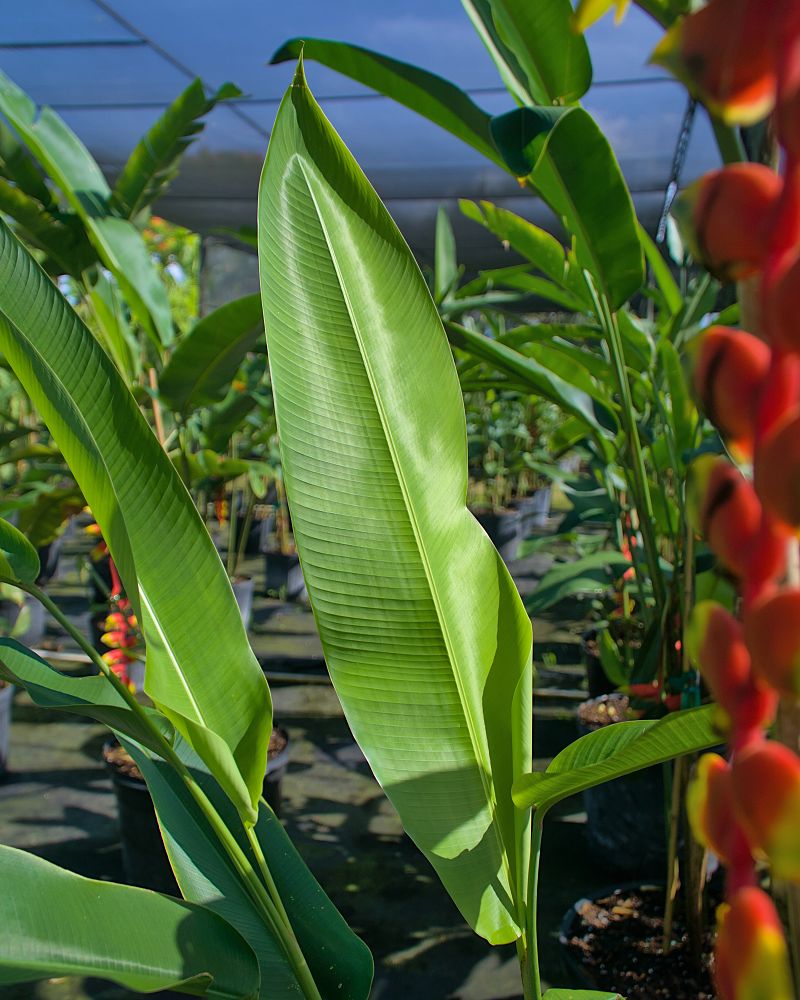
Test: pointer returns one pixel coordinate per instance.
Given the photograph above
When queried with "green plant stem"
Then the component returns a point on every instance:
(276, 917)
(529, 953)
(639, 484)
(301, 966)
(729, 142)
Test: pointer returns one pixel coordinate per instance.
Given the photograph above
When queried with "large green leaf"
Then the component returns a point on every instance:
(409, 595)
(196, 644)
(206, 359)
(426, 93)
(72, 168)
(614, 751)
(570, 162)
(512, 74)
(61, 237)
(59, 924)
(445, 271)
(154, 161)
(93, 697)
(554, 58)
(339, 961)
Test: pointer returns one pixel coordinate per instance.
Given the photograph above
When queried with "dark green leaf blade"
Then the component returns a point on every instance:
(339, 961)
(586, 189)
(59, 924)
(426, 93)
(93, 697)
(139, 500)
(19, 560)
(615, 751)
(155, 159)
(554, 58)
(202, 365)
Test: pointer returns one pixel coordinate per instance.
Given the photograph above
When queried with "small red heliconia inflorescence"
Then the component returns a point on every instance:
(742, 59)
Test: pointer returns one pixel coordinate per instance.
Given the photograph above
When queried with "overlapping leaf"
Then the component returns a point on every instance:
(71, 166)
(196, 644)
(59, 924)
(424, 634)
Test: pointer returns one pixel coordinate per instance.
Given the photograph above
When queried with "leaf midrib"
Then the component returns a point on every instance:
(484, 770)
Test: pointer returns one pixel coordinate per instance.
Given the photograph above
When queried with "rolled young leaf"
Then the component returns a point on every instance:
(425, 636)
(59, 924)
(200, 671)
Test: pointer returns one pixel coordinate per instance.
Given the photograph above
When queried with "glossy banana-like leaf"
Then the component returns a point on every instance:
(203, 364)
(340, 962)
(59, 924)
(615, 751)
(571, 164)
(154, 161)
(92, 697)
(200, 670)
(72, 167)
(554, 58)
(425, 635)
(426, 93)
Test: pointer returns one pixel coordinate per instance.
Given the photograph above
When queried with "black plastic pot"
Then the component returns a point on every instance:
(504, 528)
(6, 699)
(596, 679)
(283, 576)
(626, 820)
(144, 857)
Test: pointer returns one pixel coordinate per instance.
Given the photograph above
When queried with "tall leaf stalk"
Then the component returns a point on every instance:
(264, 893)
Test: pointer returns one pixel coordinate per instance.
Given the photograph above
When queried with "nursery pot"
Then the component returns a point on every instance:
(6, 698)
(277, 762)
(612, 942)
(534, 510)
(596, 679)
(625, 818)
(283, 576)
(144, 857)
(243, 587)
(504, 528)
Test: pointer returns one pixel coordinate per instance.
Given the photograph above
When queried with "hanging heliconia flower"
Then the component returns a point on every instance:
(742, 58)
(734, 55)
(752, 962)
